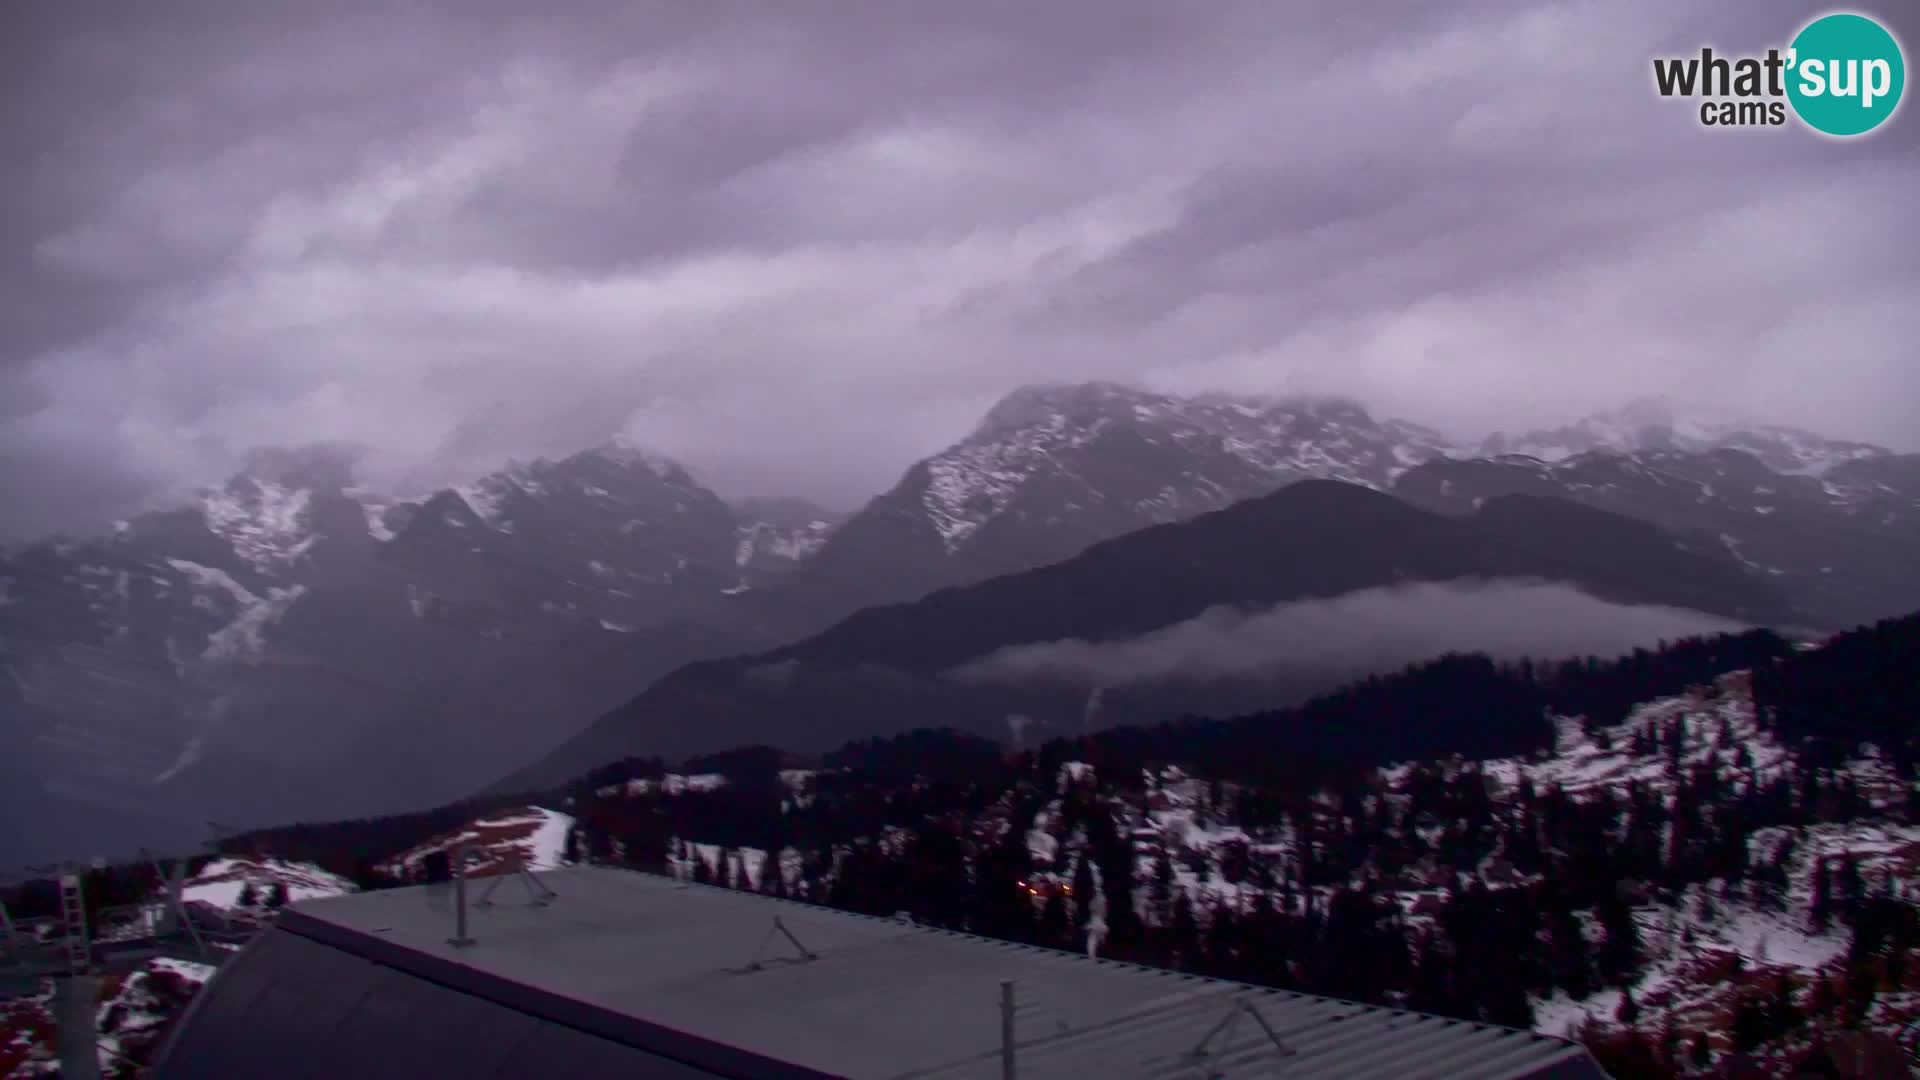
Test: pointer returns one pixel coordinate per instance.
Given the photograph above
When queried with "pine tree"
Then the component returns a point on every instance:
(1083, 887)
(277, 895)
(1782, 1014)
(248, 897)
(1053, 922)
(1223, 941)
(1820, 907)
(1851, 887)
(571, 853)
(1619, 953)
(1629, 1011)
(1183, 933)
(1702, 1053)
(1816, 1062)
(1862, 988)
(367, 876)
(1160, 893)
(1433, 980)
(1507, 1004)
(1669, 1047)
(1116, 885)
(1750, 1028)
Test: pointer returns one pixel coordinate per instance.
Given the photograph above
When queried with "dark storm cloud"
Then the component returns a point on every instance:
(800, 245)
(1369, 629)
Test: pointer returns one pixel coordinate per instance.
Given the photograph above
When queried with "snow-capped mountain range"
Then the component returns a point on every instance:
(288, 622)
(1844, 543)
(1659, 424)
(244, 656)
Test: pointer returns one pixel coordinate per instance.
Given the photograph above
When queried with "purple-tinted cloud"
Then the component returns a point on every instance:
(799, 246)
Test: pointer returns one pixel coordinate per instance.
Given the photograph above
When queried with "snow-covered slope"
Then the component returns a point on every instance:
(1705, 947)
(1702, 949)
(530, 837)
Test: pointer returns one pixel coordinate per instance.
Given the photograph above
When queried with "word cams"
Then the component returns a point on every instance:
(1751, 91)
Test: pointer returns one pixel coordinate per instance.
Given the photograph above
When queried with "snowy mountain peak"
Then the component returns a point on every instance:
(285, 500)
(613, 475)
(1091, 404)
(1041, 404)
(1215, 449)
(1053, 469)
(1649, 424)
(267, 523)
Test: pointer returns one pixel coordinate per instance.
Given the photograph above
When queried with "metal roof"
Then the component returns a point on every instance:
(695, 980)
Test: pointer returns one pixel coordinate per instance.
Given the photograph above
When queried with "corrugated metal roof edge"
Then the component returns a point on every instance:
(1573, 1050)
(728, 1060)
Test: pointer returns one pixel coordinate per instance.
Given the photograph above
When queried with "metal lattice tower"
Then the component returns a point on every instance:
(73, 919)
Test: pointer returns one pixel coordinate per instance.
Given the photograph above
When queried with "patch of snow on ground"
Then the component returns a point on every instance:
(549, 840)
(186, 969)
(530, 836)
(221, 881)
(670, 784)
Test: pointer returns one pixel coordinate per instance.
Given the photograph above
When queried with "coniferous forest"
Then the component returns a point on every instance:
(1503, 842)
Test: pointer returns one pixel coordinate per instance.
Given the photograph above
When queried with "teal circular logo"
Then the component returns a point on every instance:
(1845, 74)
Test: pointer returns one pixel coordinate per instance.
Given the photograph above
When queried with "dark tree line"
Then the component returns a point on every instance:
(1860, 687)
(1465, 705)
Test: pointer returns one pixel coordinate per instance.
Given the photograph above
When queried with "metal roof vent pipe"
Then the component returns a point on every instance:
(1006, 1029)
(446, 875)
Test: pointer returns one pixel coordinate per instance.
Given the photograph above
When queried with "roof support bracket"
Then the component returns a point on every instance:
(538, 893)
(1200, 1055)
(779, 929)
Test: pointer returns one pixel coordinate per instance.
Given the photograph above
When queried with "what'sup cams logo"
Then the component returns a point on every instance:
(1842, 75)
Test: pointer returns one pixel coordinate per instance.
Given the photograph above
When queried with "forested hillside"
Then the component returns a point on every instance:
(1701, 859)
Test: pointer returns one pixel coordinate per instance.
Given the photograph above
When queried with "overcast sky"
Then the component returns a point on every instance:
(800, 244)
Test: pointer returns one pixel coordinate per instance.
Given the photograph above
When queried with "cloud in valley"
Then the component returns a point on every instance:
(1372, 629)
